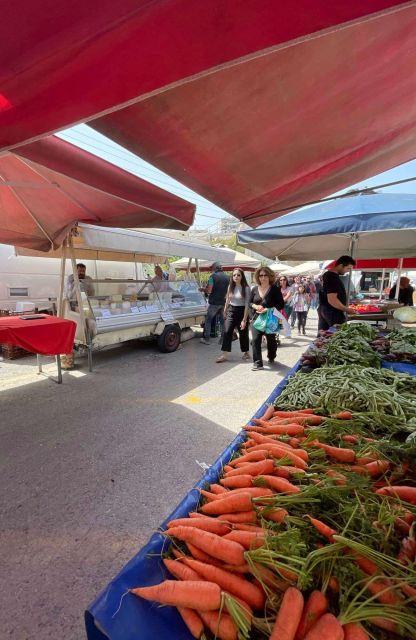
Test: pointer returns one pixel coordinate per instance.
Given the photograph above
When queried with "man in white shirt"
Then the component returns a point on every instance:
(85, 283)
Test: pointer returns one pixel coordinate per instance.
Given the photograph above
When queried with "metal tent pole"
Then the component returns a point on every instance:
(62, 281)
(399, 273)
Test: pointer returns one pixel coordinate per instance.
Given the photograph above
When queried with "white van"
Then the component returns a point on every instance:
(27, 283)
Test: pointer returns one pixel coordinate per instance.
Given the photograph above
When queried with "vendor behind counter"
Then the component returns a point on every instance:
(405, 292)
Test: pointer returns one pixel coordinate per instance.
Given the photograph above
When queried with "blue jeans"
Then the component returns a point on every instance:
(213, 309)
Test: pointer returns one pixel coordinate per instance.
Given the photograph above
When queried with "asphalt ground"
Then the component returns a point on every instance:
(90, 468)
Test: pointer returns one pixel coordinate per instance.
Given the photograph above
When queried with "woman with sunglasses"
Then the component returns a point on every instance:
(287, 293)
(236, 315)
(266, 295)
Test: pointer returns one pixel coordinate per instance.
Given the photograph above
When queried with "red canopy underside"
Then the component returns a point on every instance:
(255, 105)
(388, 263)
(47, 186)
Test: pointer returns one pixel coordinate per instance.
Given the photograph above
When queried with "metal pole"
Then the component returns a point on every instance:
(353, 251)
(78, 290)
(188, 268)
(197, 271)
(62, 281)
(382, 284)
(399, 272)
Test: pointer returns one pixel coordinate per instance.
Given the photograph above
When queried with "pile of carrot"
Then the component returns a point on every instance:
(273, 550)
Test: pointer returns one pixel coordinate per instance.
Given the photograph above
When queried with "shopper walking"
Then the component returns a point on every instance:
(295, 286)
(236, 315)
(287, 293)
(333, 304)
(301, 303)
(265, 295)
(216, 290)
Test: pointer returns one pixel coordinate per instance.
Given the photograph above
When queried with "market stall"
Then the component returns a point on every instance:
(353, 478)
(236, 259)
(110, 311)
(40, 334)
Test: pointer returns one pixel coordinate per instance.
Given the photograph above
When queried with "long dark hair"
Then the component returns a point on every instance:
(243, 282)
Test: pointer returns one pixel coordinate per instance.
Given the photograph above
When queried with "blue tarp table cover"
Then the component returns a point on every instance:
(400, 367)
(130, 618)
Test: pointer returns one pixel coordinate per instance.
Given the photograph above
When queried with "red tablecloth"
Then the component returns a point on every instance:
(48, 336)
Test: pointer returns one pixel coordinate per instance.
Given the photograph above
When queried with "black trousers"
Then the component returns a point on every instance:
(327, 317)
(301, 316)
(233, 321)
(256, 344)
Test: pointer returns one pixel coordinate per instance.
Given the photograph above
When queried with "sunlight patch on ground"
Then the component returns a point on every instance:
(215, 399)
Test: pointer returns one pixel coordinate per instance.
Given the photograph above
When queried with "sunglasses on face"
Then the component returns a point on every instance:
(236, 275)
(263, 275)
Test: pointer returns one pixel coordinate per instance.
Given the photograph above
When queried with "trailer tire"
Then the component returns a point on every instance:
(170, 339)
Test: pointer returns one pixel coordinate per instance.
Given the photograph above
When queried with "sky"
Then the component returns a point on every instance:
(207, 213)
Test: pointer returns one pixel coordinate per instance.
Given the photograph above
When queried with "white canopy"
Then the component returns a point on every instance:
(279, 267)
(312, 267)
(234, 259)
(123, 245)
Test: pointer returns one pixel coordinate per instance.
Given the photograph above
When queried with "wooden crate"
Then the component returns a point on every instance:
(11, 352)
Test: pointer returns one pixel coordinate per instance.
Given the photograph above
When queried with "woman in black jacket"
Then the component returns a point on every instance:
(266, 295)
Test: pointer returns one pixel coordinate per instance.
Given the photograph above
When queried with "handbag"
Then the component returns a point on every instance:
(267, 322)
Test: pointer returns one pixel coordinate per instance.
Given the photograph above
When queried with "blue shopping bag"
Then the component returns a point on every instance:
(267, 322)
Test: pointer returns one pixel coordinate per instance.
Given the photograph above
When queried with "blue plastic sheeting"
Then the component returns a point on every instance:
(400, 367)
(130, 618)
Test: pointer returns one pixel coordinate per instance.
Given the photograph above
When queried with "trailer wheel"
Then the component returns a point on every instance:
(170, 339)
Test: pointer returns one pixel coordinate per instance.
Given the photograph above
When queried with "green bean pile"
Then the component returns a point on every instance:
(381, 393)
(346, 347)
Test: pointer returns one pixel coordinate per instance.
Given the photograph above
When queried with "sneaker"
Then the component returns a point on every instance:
(246, 356)
(203, 341)
(221, 359)
(270, 360)
(304, 332)
(257, 366)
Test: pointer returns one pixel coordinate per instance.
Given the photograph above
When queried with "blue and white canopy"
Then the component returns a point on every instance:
(373, 225)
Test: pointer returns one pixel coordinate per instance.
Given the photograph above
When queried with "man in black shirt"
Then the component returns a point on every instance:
(333, 297)
(405, 292)
(216, 290)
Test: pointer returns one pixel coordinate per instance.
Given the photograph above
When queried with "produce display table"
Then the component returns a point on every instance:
(130, 618)
(45, 335)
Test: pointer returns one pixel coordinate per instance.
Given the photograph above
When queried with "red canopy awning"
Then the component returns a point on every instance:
(48, 185)
(255, 105)
(387, 263)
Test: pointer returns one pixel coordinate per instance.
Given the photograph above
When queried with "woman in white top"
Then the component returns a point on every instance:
(236, 315)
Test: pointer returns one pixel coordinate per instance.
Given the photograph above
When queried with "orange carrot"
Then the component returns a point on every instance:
(323, 528)
(289, 414)
(279, 484)
(222, 626)
(198, 554)
(217, 488)
(193, 594)
(289, 615)
(268, 413)
(253, 468)
(208, 495)
(383, 623)
(282, 471)
(255, 492)
(333, 584)
(337, 453)
(260, 438)
(315, 607)
(275, 515)
(351, 439)
(193, 621)
(230, 582)
(180, 571)
(241, 501)
(268, 577)
(254, 456)
(384, 592)
(338, 477)
(248, 539)
(378, 467)
(405, 493)
(326, 628)
(277, 451)
(209, 524)
(225, 550)
(238, 481)
(282, 429)
(227, 467)
(242, 526)
(343, 415)
(366, 459)
(354, 631)
(243, 516)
